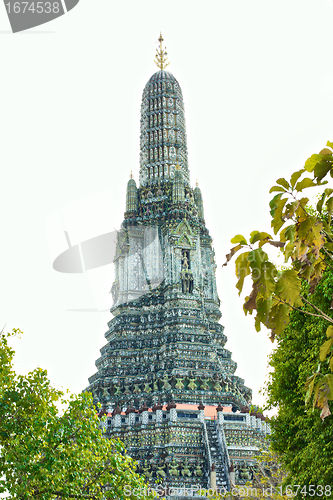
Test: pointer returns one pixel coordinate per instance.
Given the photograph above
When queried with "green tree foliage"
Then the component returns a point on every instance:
(303, 442)
(306, 242)
(52, 447)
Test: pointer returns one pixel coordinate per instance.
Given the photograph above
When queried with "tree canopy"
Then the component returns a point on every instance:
(53, 447)
(303, 442)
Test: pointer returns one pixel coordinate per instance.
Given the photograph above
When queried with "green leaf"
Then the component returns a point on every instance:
(295, 176)
(242, 266)
(278, 221)
(322, 168)
(288, 233)
(304, 183)
(274, 203)
(278, 320)
(279, 189)
(329, 205)
(291, 209)
(309, 232)
(301, 211)
(267, 279)
(283, 182)
(288, 287)
(239, 239)
(255, 236)
(329, 332)
(320, 203)
(288, 251)
(329, 144)
(310, 388)
(325, 349)
(256, 258)
(312, 162)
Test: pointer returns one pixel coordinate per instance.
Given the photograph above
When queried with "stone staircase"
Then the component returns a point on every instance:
(216, 457)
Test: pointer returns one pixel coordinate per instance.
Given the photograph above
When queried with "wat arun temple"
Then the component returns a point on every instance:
(164, 378)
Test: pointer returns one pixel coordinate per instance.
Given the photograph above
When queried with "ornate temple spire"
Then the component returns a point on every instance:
(161, 59)
(131, 195)
(163, 133)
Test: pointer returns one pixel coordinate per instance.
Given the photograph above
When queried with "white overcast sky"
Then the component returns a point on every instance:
(257, 81)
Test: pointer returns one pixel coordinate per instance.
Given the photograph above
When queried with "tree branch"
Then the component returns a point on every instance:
(298, 309)
(329, 255)
(322, 314)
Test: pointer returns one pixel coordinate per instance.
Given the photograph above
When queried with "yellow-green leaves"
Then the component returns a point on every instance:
(239, 239)
(304, 183)
(283, 186)
(242, 270)
(305, 240)
(310, 234)
(288, 287)
(295, 176)
(277, 205)
(320, 388)
(325, 349)
(312, 162)
(283, 182)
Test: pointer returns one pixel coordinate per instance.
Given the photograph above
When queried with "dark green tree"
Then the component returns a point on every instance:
(53, 447)
(303, 441)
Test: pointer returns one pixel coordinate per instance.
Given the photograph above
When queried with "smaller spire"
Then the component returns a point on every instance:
(161, 59)
(196, 183)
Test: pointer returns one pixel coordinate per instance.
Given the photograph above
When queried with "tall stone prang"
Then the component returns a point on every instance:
(165, 359)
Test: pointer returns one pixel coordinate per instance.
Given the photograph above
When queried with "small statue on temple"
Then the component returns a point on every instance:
(173, 468)
(147, 387)
(185, 470)
(118, 390)
(179, 383)
(146, 469)
(106, 393)
(217, 386)
(198, 471)
(166, 384)
(244, 472)
(155, 385)
(127, 390)
(204, 386)
(192, 385)
(160, 470)
(137, 389)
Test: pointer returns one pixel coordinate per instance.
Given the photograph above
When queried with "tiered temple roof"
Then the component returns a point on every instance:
(165, 346)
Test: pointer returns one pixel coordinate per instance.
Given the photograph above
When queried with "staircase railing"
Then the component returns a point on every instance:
(224, 452)
(209, 458)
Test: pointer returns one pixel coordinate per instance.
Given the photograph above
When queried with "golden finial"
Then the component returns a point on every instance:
(196, 183)
(161, 55)
(131, 174)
